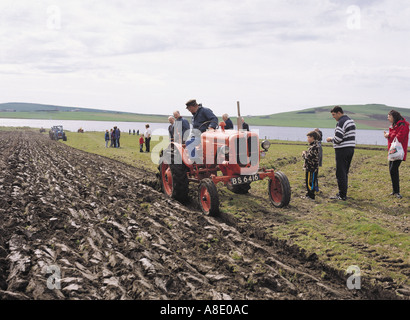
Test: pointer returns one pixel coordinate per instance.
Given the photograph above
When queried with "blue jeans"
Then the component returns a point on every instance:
(191, 143)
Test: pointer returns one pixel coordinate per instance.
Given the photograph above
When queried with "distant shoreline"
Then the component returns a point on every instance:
(366, 116)
(109, 117)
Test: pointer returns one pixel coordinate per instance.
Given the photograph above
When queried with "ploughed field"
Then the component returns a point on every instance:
(75, 225)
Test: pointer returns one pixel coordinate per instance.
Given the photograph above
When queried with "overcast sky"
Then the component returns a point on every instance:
(152, 56)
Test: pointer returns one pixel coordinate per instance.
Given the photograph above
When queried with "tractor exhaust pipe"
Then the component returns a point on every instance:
(239, 121)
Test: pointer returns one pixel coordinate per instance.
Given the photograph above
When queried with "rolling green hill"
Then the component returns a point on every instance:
(369, 116)
(17, 110)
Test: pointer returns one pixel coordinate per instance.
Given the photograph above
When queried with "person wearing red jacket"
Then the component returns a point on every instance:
(141, 143)
(399, 129)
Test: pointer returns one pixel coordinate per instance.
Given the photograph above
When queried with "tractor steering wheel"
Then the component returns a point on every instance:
(207, 122)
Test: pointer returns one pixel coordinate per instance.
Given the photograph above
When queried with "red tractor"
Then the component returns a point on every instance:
(228, 156)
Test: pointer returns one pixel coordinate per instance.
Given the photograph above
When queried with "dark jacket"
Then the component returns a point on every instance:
(203, 119)
(171, 132)
(228, 124)
(185, 126)
(245, 126)
(401, 132)
(320, 136)
(107, 136)
(117, 133)
(311, 157)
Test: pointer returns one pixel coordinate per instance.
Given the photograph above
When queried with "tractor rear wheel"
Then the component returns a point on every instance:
(279, 190)
(174, 181)
(208, 197)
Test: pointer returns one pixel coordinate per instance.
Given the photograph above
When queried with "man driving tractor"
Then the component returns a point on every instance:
(202, 119)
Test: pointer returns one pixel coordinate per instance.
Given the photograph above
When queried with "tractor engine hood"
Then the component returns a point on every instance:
(235, 152)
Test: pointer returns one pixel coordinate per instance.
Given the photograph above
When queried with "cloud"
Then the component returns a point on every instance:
(272, 55)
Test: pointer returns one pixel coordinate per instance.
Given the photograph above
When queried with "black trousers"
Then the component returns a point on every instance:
(344, 158)
(394, 174)
(147, 144)
(311, 183)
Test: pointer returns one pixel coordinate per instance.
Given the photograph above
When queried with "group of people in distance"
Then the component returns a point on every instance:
(344, 143)
(114, 136)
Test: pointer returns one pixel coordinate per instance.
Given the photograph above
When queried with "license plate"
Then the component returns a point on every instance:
(245, 179)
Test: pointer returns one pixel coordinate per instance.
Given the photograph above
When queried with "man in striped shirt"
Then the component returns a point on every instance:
(344, 143)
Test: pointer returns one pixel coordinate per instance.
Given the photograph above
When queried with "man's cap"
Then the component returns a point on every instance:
(191, 103)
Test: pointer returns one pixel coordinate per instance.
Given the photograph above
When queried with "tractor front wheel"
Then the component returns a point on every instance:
(208, 197)
(279, 190)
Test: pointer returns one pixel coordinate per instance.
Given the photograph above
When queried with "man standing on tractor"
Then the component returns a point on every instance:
(202, 119)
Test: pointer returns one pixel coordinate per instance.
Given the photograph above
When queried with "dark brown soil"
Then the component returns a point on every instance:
(105, 229)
